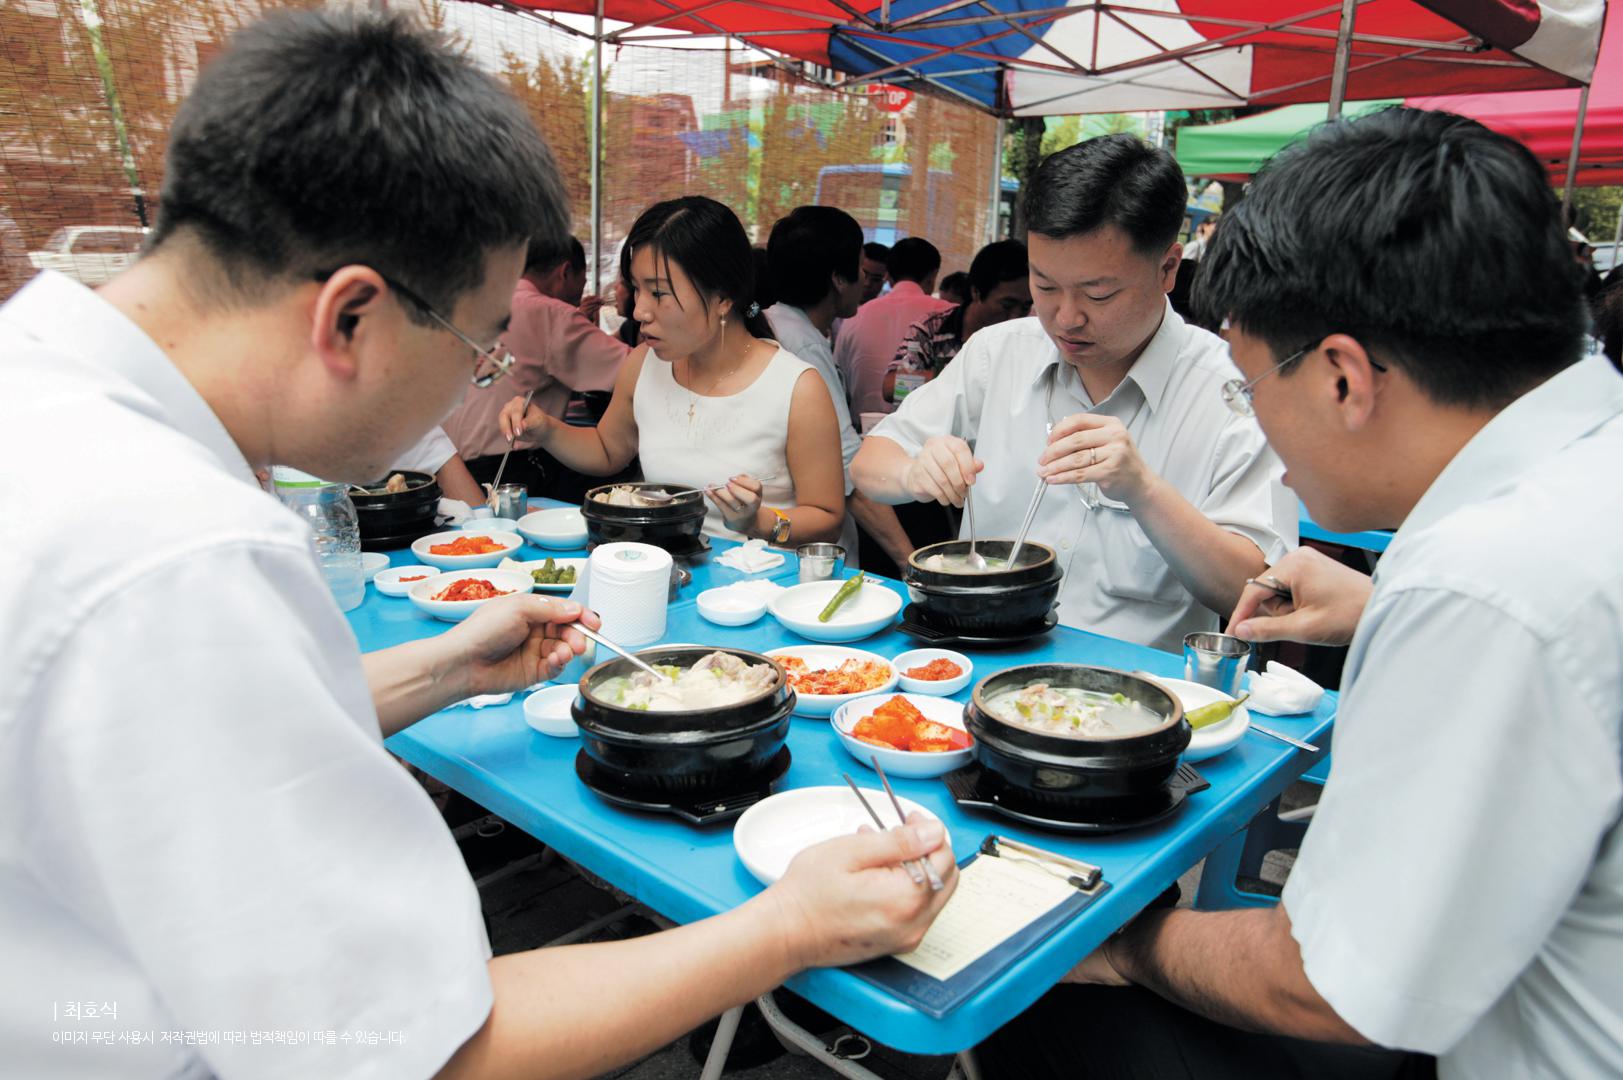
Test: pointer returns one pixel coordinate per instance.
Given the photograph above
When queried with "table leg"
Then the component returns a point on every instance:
(793, 1032)
(726, 1028)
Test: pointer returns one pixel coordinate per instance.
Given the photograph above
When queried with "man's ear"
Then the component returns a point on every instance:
(1357, 385)
(341, 314)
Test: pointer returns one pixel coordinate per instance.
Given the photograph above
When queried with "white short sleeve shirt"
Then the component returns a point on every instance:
(1009, 383)
(199, 825)
(1461, 890)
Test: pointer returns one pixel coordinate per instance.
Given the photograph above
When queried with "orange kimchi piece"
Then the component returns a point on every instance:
(470, 589)
(851, 677)
(936, 670)
(466, 545)
(898, 725)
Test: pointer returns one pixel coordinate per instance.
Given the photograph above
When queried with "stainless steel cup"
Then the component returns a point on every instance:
(820, 562)
(511, 501)
(1216, 660)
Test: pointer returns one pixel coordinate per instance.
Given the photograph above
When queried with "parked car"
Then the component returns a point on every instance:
(1605, 258)
(90, 254)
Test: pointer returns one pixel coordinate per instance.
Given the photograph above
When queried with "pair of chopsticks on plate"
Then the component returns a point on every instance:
(913, 871)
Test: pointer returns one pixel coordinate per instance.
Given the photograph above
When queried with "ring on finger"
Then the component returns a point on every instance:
(1093, 456)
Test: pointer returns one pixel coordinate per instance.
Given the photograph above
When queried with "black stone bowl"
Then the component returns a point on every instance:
(1080, 778)
(676, 526)
(993, 604)
(382, 514)
(691, 753)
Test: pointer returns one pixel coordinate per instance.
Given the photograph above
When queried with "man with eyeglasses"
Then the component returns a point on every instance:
(200, 827)
(1160, 502)
(1459, 897)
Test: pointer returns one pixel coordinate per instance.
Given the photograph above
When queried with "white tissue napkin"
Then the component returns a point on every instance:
(1282, 691)
(480, 701)
(452, 511)
(751, 557)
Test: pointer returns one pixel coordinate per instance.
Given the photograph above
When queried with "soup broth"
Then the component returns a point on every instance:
(1068, 711)
(717, 680)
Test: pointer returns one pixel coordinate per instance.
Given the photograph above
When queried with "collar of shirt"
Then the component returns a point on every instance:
(904, 288)
(1564, 408)
(1151, 372)
(783, 310)
(63, 313)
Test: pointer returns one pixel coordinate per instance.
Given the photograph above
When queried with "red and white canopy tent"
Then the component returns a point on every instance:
(1042, 57)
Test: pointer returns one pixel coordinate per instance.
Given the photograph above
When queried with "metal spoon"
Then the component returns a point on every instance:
(977, 561)
(660, 498)
(607, 644)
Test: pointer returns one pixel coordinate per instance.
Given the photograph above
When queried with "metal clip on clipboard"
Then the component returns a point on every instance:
(1084, 876)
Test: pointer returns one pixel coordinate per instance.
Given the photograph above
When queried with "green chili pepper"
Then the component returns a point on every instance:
(846, 591)
(1215, 713)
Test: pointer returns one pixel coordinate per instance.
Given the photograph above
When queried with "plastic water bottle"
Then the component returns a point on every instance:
(326, 508)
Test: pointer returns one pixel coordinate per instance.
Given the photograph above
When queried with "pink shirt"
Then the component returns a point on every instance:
(867, 342)
(557, 351)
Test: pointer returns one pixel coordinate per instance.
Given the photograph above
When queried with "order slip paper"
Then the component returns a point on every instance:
(995, 898)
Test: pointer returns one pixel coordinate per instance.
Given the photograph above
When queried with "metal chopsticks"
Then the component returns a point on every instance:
(912, 870)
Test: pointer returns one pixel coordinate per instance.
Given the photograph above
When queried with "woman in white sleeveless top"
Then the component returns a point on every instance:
(708, 400)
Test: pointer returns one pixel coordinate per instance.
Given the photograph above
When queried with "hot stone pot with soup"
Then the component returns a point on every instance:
(715, 726)
(1078, 743)
(999, 601)
(618, 513)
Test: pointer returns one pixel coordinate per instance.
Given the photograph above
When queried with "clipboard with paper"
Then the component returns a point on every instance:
(1010, 897)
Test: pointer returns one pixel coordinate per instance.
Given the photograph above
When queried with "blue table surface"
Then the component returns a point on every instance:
(1370, 540)
(687, 872)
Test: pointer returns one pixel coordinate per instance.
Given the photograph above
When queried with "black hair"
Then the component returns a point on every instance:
(1118, 180)
(997, 262)
(808, 247)
(320, 138)
(912, 259)
(956, 283)
(546, 252)
(705, 239)
(765, 294)
(876, 251)
(1372, 227)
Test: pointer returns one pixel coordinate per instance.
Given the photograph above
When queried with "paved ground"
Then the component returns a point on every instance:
(530, 897)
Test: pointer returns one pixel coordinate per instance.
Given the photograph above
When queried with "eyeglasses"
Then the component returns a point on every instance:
(1237, 392)
(492, 363)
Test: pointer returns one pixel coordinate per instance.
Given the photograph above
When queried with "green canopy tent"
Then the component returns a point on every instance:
(1235, 149)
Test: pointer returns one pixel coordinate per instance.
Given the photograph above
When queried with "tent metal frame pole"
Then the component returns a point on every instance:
(1572, 158)
(1338, 77)
(597, 152)
(993, 227)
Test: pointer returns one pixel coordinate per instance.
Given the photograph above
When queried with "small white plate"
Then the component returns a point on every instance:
(489, 524)
(817, 657)
(727, 606)
(1213, 740)
(939, 687)
(510, 542)
(547, 710)
(422, 592)
(915, 765)
(863, 615)
(561, 528)
(389, 581)
(372, 562)
(536, 564)
(779, 827)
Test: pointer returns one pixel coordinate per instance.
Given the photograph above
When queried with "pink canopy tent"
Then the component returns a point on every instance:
(1544, 120)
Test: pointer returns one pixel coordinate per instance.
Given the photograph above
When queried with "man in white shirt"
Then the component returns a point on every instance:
(1163, 502)
(867, 341)
(812, 258)
(1460, 893)
(200, 828)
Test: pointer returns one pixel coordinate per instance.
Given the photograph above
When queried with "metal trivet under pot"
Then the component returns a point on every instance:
(976, 788)
(699, 808)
